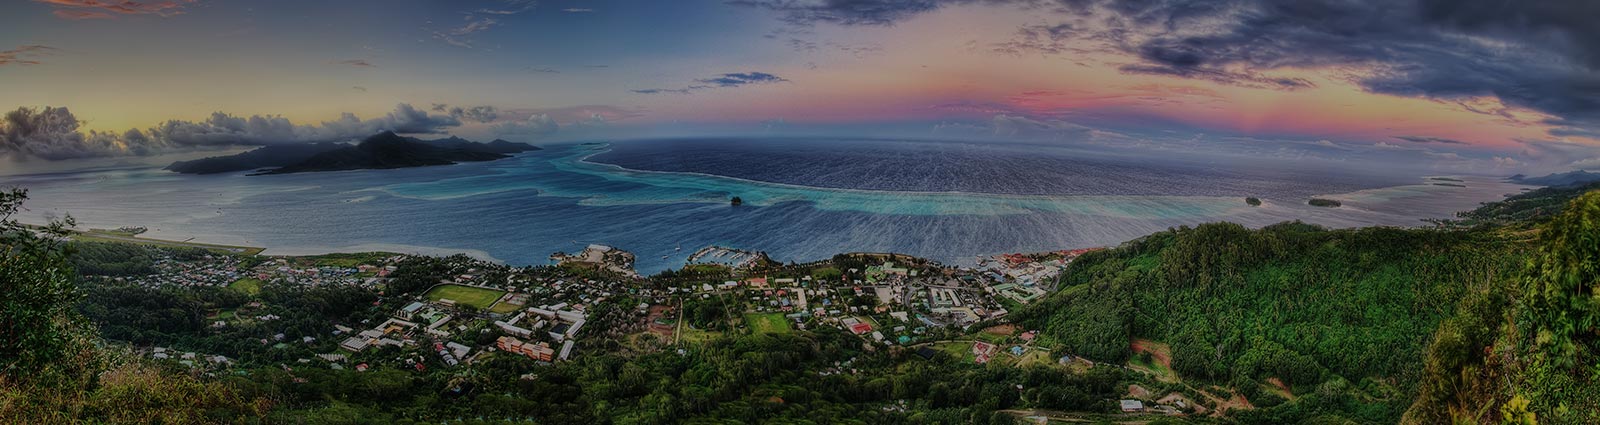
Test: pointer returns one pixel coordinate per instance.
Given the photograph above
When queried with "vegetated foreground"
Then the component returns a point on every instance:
(1484, 320)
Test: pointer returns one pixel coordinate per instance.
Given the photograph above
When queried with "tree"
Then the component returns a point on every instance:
(1560, 291)
(38, 289)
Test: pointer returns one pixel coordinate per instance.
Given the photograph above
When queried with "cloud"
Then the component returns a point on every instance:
(736, 79)
(843, 12)
(1587, 164)
(78, 15)
(537, 125)
(25, 55)
(576, 115)
(1425, 139)
(544, 70)
(1019, 127)
(512, 7)
(479, 20)
(481, 114)
(1051, 39)
(1542, 56)
(1538, 55)
(52, 133)
(359, 89)
(1552, 155)
(356, 63)
(673, 91)
(744, 78)
(107, 9)
(460, 36)
(577, 10)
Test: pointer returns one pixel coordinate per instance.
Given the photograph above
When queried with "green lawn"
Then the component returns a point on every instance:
(504, 308)
(959, 350)
(465, 295)
(249, 285)
(768, 323)
(697, 336)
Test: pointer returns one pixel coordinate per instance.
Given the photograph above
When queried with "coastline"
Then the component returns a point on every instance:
(1357, 197)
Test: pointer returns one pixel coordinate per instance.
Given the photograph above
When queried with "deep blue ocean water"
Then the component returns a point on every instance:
(1018, 169)
(804, 200)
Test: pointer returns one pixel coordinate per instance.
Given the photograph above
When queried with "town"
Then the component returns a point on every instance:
(478, 308)
(432, 312)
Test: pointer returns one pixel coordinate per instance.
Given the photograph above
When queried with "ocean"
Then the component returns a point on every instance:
(804, 199)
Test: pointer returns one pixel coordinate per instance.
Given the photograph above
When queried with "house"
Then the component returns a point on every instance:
(1131, 406)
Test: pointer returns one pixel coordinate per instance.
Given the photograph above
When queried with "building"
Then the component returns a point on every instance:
(1132, 406)
(540, 351)
(355, 343)
(566, 349)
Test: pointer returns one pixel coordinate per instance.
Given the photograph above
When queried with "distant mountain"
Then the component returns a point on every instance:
(1560, 179)
(270, 156)
(382, 150)
(500, 146)
(388, 150)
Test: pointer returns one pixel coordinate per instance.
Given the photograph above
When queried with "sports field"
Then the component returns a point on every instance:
(465, 295)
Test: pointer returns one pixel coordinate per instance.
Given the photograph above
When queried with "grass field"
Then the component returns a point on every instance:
(768, 323)
(249, 285)
(1160, 362)
(504, 308)
(959, 350)
(697, 336)
(465, 295)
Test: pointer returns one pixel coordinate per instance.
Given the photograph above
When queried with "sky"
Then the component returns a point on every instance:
(1480, 86)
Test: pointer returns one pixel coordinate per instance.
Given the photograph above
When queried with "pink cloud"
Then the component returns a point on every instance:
(25, 55)
(97, 9)
(75, 14)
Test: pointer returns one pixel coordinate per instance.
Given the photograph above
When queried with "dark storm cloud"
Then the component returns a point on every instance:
(1540, 55)
(53, 133)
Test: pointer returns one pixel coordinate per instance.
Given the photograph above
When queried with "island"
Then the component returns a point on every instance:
(269, 156)
(384, 150)
(1321, 202)
(1253, 201)
(1571, 178)
(736, 201)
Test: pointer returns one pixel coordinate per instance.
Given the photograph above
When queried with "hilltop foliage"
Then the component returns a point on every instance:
(1340, 316)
